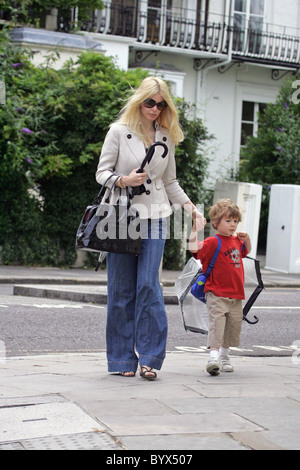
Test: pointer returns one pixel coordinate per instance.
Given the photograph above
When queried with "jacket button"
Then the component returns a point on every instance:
(147, 192)
(129, 136)
(149, 181)
(164, 139)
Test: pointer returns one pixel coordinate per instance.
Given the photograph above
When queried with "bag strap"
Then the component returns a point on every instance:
(118, 202)
(98, 197)
(213, 260)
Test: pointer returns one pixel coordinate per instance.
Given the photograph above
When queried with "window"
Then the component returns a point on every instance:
(249, 125)
(154, 17)
(248, 25)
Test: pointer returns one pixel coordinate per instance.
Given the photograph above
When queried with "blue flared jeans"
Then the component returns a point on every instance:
(136, 330)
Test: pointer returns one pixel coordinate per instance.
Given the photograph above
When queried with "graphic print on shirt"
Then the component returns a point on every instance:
(236, 258)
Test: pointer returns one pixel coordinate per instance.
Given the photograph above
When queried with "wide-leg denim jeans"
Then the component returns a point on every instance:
(137, 326)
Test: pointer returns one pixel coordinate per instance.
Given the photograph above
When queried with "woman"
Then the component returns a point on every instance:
(136, 317)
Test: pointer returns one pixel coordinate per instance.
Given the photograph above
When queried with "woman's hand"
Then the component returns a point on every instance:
(134, 178)
(199, 221)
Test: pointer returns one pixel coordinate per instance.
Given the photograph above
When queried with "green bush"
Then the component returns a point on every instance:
(273, 157)
(33, 11)
(54, 123)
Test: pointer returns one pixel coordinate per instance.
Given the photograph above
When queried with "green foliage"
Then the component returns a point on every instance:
(54, 123)
(31, 11)
(273, 157)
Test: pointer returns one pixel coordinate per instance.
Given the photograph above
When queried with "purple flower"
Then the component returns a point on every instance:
(279, 129)
(19, 110)
(285, 105)
(17, 65)
(28, 160)
(279, 148)
(25, 130)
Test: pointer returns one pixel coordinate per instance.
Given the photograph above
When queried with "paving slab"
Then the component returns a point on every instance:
(179, 424)
(32, 421)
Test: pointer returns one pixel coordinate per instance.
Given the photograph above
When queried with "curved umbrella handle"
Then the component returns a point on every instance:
(150, 153)
(251, 322)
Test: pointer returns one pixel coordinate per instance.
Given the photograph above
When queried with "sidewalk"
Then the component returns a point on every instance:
(71, 402)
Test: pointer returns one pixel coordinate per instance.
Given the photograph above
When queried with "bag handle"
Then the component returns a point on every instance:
(97, 198)
(118, 202)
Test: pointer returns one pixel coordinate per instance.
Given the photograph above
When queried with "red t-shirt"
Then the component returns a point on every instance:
(227, 276)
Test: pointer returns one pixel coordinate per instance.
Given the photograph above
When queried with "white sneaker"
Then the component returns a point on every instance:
(213, 367)
(226, 365)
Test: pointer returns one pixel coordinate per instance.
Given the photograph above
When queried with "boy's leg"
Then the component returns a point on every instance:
(232, 333)
(233, 327)
(217, 310)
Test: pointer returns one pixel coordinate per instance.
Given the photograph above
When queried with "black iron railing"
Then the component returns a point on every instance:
(186, 31)
(172, 29)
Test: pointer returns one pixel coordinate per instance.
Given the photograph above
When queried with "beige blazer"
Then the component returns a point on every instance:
(122, 151)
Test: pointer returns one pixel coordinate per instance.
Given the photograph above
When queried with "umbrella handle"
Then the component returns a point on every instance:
(150, 153)
(251, 322)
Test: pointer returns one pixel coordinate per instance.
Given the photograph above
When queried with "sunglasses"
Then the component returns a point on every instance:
(150, 103)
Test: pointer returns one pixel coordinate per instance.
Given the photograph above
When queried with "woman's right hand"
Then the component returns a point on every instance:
(134, 178)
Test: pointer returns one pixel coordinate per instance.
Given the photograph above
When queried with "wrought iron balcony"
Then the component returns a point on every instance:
(190, 31)
(173, 30)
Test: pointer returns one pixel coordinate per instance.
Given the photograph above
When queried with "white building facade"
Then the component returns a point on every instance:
(229, 57)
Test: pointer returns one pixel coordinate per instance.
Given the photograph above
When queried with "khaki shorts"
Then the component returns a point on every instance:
(225, 321)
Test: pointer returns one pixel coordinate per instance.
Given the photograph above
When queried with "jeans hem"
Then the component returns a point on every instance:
(122, 366)
(150, 361)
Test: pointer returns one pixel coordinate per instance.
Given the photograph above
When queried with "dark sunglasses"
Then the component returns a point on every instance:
(150, 103)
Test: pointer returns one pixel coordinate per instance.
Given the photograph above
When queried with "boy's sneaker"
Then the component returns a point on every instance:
(226, 365)
(213, 367)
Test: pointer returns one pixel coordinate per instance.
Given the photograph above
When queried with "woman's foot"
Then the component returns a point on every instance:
(147, 373)
(127, 374)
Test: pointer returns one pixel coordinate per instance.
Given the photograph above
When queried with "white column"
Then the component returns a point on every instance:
(283, 241)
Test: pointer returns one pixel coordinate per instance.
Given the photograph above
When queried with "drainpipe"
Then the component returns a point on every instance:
(230, 25)
(199, 80)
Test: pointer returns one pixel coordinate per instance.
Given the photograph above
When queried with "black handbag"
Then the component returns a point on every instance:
(113, 228)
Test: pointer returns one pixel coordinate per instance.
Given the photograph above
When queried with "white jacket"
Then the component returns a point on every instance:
(122, 151)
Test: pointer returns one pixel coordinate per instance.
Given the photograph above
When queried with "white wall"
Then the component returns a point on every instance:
(284, 13)
(221, 97)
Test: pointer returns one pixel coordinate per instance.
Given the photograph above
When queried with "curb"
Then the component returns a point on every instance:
(91, 294)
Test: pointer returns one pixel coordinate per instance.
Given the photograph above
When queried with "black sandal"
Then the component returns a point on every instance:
(144, 370)
(126, 374)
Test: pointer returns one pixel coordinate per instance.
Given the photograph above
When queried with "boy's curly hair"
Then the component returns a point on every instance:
(224, 207)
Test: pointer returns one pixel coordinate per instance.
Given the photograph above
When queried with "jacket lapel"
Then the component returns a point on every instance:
(135, 145)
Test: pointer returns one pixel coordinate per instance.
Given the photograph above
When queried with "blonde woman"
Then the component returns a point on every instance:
(136, 317)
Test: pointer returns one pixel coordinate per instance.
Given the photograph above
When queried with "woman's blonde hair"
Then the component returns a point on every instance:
(224, 207)
(130, 115)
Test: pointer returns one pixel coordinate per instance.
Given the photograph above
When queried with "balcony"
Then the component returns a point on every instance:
(190, 32)
(220, 39)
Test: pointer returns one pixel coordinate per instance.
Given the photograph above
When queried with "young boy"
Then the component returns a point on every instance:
(225, 286)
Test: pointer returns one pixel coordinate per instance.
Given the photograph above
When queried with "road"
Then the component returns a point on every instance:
(33, 326)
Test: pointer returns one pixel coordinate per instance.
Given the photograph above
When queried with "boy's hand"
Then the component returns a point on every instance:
(243, 236)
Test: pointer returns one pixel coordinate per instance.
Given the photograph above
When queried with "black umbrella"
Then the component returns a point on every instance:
(138, 190)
